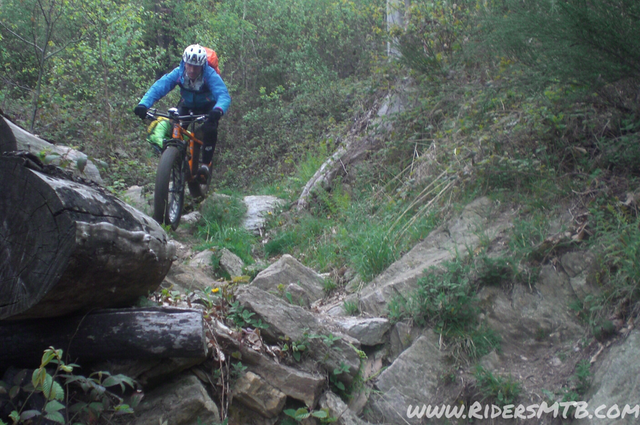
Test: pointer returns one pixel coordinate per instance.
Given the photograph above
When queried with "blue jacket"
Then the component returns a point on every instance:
(213, 90)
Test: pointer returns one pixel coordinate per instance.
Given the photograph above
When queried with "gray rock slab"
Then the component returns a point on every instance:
(255, 393)
(295, 383)
(191, 218)
(580, 267)
(288, 270)
(369, 331)
(616, 382)
(524, 315)
(339, 410)
(412, 379)
(191, 278)
(231, 263)
(296, 323)
(184, 401)
(401, 336)
(258, 207)
(478, 223)
(202, 259)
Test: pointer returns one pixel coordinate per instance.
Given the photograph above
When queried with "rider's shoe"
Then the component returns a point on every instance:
(204, 174)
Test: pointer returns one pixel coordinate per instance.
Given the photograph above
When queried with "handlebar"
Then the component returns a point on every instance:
(172, 114)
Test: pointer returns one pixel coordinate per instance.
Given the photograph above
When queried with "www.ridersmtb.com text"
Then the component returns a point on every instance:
(577, 409)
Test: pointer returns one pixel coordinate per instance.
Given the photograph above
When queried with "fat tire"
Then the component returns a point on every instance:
(168, 198)
(196, 189)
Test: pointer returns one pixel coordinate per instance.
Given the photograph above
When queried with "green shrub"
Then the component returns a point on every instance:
(499, 390)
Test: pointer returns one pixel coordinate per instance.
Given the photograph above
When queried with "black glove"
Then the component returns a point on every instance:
(141, 111)
(215, 114)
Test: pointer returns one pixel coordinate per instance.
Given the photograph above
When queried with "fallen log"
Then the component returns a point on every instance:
(136, 333)
(67, 246)
(7, 139)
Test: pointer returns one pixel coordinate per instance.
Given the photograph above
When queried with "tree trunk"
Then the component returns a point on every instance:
(69, 247)
(142, 333)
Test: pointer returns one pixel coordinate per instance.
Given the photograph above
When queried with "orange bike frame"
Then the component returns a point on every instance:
(179, 133)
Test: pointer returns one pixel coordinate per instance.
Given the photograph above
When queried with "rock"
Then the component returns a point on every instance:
(369, 331)
(412, 379)
(523, 316)
(295, 383)
(230, 263)
(202, 259)
(286, 320)
(183, 401)
(289, 270)
(339, 410)
(255, 393)
(191, 218)
(401, 336)
(134, 197)
(490, 362)
(454, 240)
(579, 267)
(257, 208)
(616, 382)
(298, 295)
(187, 277)
(238, 414)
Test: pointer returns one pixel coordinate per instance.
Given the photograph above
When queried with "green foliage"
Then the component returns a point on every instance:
(351, 308)
(243, 318)
(444, 299)
(297, 348)
(338, 386)
(588, 42)
(299, 415)
(499, 390)
(434, 34)
(220, 234)
(61, 404)
(582, 377)
(617, 239)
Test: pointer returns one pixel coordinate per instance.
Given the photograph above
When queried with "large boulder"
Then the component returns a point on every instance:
(295, 323)
(411, 380)
(257, 394)
(183, 401)
(616, 383)
(288, 270)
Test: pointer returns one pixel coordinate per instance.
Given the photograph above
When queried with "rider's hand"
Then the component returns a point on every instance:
(141, 111)
(215, 114)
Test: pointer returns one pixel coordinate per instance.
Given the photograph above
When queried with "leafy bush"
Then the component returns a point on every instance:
(54, 386)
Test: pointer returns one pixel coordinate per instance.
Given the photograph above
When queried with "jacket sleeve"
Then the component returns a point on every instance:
(161, 88)
(218, 89)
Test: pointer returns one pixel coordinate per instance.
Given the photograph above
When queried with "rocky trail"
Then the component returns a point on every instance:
(278, 344)
(367, 369)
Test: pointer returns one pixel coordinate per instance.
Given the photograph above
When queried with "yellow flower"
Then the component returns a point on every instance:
(214, 290)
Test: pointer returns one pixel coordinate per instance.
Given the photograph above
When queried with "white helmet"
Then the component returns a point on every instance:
(195, 55)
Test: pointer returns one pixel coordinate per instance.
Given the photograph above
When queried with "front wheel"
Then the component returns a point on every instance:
(168, 197)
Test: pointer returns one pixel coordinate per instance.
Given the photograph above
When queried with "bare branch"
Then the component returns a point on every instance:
(19, 37)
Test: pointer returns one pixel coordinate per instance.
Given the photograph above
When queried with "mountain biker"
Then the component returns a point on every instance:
(202, 91)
